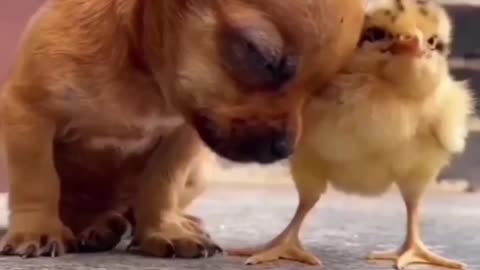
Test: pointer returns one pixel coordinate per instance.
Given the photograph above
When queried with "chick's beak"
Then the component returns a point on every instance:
(409, 46)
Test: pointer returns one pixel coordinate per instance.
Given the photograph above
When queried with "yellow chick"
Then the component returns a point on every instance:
(394, 115)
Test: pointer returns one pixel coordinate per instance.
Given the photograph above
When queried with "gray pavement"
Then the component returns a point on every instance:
(342, 230)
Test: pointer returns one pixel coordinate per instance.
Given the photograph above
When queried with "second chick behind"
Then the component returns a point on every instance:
(394, 115)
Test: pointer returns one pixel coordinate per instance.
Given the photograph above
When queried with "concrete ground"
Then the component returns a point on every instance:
(342, 230)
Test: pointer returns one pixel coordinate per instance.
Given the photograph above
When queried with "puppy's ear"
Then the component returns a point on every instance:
(131, 17)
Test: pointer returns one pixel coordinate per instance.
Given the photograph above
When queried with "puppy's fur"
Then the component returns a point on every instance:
(104, 95)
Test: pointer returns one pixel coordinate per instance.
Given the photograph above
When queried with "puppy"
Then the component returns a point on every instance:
(110, 104)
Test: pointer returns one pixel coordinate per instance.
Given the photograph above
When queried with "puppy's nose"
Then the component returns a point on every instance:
(271, 148)
(282, 147)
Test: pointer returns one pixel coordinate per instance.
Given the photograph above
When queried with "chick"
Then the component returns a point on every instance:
(394, 115)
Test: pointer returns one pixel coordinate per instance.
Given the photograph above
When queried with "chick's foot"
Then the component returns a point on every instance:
(416, 254)
(277, 250)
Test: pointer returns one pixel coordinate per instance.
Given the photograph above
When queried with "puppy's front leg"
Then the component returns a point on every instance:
(35, 227)
(163, 229)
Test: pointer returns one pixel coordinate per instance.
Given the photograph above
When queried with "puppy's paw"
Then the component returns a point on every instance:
(197, 224)
(50, 238)
(104, 234)
(182, 236)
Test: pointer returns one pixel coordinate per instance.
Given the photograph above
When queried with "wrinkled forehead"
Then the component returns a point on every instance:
(426, 15)
(313, 30)
(303, 24)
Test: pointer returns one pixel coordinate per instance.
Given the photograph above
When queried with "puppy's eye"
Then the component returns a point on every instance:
(256, 65)
(374, 34)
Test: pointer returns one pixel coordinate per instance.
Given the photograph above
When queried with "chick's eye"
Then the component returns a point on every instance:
(432, 41)
(376, 34)
(436, 44)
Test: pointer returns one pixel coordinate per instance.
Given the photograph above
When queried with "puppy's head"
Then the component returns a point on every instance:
(242, 68)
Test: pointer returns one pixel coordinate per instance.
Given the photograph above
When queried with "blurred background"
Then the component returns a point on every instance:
(465, 171)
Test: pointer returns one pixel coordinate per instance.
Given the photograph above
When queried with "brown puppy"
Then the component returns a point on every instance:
(93, 114)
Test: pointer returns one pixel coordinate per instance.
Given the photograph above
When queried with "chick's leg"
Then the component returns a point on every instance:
(413, 250)
(287, 245)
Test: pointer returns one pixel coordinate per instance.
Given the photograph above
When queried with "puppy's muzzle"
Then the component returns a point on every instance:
(242, 142)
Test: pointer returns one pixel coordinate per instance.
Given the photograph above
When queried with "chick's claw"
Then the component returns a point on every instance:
(416, 255)
(271, 253)
(383, 256)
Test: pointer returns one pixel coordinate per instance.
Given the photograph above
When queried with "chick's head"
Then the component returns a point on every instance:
(405, 42)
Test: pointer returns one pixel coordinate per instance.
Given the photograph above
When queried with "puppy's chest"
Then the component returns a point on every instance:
(127, 137)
